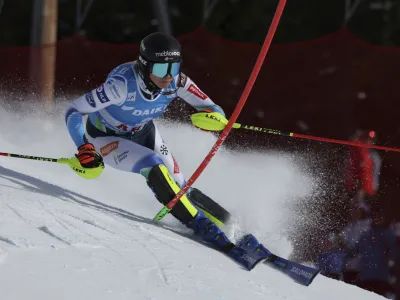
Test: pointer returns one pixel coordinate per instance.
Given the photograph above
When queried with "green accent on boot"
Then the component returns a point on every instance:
(213, 219)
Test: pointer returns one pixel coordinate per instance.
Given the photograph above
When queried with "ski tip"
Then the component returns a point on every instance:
(313, 277)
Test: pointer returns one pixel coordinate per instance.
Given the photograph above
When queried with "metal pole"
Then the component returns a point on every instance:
(81, 15)
(78, 15)
(350, 9)
(36, 31)
(1, 6)
(208, 7)
(162, 14)
(1, 11)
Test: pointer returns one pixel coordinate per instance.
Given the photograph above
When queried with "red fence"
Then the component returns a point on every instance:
(321, 81)
(335, 84)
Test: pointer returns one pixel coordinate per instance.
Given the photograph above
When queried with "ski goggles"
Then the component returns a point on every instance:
(163, 69)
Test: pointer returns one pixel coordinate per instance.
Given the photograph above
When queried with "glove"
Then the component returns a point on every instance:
(88, 156)
(209, 121)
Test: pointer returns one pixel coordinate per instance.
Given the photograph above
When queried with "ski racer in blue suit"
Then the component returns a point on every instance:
(120, 131)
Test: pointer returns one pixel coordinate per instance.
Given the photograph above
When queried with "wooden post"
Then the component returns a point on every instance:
(49, 40)
(43, 58)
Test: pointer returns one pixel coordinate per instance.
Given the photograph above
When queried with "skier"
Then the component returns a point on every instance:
(120, 131)
(120, 126)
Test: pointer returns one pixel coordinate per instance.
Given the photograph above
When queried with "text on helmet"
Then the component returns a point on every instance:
(168, 53)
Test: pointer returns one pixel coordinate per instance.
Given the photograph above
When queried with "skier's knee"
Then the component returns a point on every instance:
(146, 163)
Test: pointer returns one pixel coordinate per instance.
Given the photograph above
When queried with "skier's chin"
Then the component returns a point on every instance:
(162, 83)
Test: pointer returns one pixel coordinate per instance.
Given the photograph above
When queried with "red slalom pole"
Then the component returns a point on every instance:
(243, 98)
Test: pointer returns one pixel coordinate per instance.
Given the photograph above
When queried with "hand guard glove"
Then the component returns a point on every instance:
(88, 156)
(209, 121)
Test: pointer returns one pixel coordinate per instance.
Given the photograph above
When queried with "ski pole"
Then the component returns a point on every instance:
(73, 163)
(215, 122)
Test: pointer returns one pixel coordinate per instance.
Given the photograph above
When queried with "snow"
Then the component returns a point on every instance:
(64, 237)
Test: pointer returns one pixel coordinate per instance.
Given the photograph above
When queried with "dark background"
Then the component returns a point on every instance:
(126, 21)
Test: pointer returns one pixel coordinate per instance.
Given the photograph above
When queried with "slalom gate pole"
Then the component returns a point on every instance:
(243, 98)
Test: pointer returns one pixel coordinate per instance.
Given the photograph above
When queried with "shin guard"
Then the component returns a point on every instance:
(165, 189)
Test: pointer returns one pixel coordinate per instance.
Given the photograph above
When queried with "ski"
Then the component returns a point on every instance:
(248, 252)
(303, 275)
